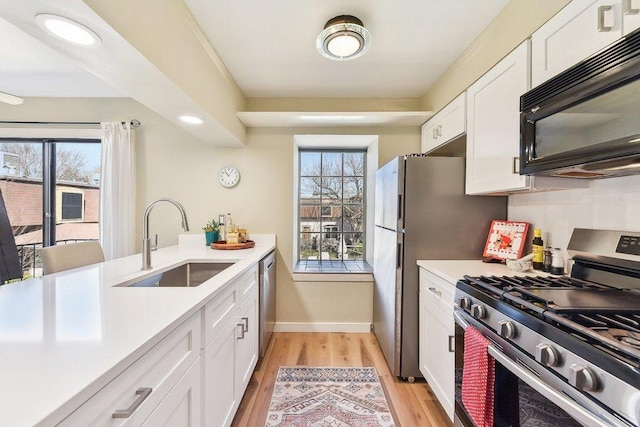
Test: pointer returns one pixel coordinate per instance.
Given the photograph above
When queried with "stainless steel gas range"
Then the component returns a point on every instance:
(566, 348)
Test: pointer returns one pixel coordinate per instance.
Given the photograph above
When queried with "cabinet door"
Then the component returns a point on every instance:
(248, 341)
(183, 405)
(220, 389)
(630, 15)
(447, 124)
(580, 29)
(493, 126)
(437, 359)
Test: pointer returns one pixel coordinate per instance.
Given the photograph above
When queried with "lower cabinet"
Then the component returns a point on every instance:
(155, 385)
(232, 354)
(183, 405)
(437, 334)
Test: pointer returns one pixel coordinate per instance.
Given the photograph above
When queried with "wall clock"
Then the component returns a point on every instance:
(229, 177)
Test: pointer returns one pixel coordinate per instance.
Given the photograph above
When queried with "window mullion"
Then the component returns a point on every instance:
(48, 193)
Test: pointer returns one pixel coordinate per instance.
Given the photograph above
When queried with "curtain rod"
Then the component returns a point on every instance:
(134, 123)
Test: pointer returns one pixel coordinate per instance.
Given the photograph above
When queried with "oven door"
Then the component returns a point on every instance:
(525, 395)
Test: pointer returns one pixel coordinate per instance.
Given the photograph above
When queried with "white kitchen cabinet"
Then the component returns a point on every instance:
(437, 335)
(444, 126)
(580, 29)
(149, 383)
(183, 405)
(232, 348)
(493, 125)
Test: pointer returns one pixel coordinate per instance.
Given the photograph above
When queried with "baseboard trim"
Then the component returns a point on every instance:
(322, 327)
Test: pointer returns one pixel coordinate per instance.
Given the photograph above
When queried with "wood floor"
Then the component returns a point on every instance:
(413, 405)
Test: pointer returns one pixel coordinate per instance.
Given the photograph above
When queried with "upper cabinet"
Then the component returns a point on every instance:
(580, 29)
(493, 125)
(446, 125)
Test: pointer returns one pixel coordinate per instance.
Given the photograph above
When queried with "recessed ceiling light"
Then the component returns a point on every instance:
(193, 120)
(7, 98)
(67, 30)
(343, 38)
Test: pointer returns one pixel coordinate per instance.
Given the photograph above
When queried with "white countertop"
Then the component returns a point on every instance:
(65, 336)
(454, 270)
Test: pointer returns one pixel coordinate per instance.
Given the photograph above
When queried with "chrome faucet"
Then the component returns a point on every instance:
(146, 241)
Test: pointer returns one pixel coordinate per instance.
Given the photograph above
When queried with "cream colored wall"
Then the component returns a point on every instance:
(172, 163)
(514, 24)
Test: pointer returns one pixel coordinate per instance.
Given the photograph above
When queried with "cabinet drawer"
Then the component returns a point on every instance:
(218, 311)
(159, 369)
(436, 289)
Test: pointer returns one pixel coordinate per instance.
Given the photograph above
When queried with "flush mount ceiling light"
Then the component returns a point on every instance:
(192, 120)
(67, 30)
(343, 38)
(7, 98)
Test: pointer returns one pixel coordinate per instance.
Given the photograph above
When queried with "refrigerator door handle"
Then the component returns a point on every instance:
(400, 212)
(399, 256)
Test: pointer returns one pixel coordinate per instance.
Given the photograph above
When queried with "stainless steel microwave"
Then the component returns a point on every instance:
(585, 122)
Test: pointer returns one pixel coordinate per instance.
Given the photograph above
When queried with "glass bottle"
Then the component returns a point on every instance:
(537, 247)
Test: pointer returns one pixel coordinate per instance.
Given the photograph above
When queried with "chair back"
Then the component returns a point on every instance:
(72, 255)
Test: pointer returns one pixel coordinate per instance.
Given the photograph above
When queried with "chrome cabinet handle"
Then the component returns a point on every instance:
(434, 133)
(602, 10)
(435, 292)
(245, 326)
(452, 343)
(628, 8)
(142, 394)
(516, 165)
(241, 325)
(439, 127)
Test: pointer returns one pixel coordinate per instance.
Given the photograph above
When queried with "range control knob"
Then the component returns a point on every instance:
(583, 378)
(547, 355)
(464, 303)
(507, 329)
(478, 311)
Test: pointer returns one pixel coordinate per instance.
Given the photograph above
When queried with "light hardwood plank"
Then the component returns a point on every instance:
(412, 405)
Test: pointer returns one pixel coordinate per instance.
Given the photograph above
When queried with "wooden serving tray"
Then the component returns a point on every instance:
(223, 245)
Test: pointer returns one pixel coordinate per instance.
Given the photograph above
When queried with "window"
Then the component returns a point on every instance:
(72, 206)
(331, 201)
(51, 189)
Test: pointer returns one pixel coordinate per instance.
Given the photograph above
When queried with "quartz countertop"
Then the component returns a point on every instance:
(454, 270)
(66, 335)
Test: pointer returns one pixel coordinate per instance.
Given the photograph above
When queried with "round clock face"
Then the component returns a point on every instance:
(229, 177)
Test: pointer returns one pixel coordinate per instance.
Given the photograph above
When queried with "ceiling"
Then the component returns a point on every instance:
(267, 46)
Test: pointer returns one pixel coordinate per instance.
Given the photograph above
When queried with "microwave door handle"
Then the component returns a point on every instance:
(565, 403)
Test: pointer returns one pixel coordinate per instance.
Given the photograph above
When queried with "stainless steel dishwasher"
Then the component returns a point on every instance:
(267, 300)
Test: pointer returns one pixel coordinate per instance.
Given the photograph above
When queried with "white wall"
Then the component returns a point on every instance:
(610, 204)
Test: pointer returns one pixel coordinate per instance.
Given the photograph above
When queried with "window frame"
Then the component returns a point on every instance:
(340, 142)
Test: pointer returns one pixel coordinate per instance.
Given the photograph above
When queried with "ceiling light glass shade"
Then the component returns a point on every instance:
(193, 120)
(67, 30)
(343, 38)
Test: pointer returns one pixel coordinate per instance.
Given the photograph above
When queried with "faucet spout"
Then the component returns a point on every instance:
(146, 241)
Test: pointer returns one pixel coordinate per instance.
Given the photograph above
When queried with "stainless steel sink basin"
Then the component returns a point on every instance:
(188, 275)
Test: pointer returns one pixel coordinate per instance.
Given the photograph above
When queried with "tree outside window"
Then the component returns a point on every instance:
(331, 205)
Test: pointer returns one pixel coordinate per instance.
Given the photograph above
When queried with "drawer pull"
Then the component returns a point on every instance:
(452, 343)
(241, 326)
(436, 292)
(142, 394)
(245, 326)
(602, 25)
(628, 8)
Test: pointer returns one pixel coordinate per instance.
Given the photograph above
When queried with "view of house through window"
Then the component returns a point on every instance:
(331, 205)
(51, 189)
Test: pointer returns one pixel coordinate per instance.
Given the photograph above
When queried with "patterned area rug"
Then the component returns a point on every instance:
(328, 397)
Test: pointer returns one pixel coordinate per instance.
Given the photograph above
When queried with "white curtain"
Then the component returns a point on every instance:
(117, 191)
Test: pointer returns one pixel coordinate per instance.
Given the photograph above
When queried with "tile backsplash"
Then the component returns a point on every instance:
(608, 204)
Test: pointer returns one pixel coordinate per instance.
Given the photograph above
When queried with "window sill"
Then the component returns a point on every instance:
(332, 271)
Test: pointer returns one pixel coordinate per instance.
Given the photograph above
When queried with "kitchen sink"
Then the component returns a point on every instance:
(187, 275)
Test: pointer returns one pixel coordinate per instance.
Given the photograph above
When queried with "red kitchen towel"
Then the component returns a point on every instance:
(478, 376)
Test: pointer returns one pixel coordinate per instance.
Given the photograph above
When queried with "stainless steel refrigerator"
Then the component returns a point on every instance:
(421, 212)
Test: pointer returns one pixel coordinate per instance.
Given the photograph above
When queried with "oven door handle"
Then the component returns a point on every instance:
(457, 317)
(568, 405)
